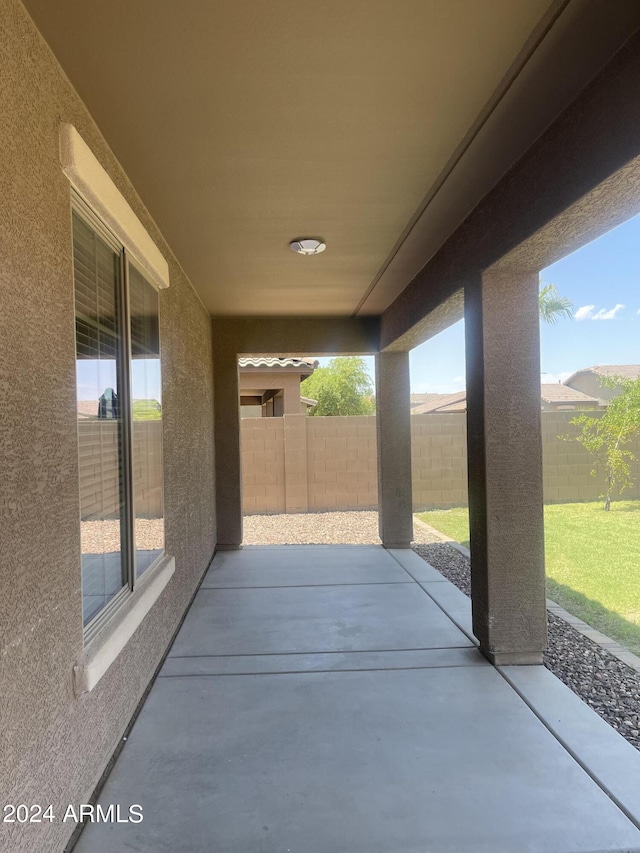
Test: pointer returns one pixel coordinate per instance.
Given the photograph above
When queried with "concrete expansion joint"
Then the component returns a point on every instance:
(603, 754)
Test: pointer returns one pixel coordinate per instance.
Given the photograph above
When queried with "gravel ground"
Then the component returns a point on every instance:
(317, 528)
(314, 528)
(103, 537)
(610, 687)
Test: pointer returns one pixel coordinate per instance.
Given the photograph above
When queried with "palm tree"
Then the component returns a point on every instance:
(552, 305)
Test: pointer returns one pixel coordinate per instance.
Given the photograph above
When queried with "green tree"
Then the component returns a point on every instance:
(552, 305)
(343, 387)
(606, 437)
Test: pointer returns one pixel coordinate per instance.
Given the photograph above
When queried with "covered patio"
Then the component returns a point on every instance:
(325, 698)
(160, 162)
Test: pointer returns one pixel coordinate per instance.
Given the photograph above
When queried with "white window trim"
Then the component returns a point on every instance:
(92, 182)
(106, 203)
(103, 650)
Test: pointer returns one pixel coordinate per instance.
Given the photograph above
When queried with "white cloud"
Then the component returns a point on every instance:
(603, 314)
(588, 312)
(638, 312)
(585, 312)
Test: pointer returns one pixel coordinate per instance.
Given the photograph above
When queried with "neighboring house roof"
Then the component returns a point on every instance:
(419, 399)
(626, 371)
(456, 406)
(87, 408)
(559, 393)
(443, 403)
(549, 393)
(274, 363)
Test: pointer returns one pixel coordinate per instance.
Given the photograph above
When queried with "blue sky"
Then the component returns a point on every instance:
(94, 376)
(602, 279)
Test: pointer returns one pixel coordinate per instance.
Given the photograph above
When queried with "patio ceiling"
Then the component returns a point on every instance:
(374, 124)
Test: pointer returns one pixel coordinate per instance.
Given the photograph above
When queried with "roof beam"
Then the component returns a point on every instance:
(293, 336)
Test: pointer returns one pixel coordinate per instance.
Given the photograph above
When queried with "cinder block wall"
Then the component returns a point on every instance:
(263, 486)
(341, 463)
(341, 470)
(567, 465)
(97, 452)
(331, 466)
(439, 460)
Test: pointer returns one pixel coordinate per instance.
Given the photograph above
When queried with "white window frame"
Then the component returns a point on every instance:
(97, 200)
(84, 212)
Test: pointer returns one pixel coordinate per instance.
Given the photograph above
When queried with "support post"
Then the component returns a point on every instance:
(393, 427)
(504, 446)
(227, 448)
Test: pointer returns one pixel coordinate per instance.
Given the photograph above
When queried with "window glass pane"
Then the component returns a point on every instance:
(100, 427)
(146, 393)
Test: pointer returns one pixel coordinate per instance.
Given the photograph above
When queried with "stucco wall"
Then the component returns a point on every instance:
(288, 382)
(53, 746)
(341, 463)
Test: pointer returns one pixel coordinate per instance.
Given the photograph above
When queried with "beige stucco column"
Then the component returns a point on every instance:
(393, 425)
(227, 448)
(291, 393)
(505, 466)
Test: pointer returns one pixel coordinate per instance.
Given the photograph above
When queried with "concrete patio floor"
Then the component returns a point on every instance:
(331, 698)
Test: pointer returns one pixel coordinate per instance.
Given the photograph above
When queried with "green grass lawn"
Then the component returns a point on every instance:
(593, 562)
(147, 410)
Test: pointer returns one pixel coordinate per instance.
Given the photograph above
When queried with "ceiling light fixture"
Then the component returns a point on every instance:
(308, 246)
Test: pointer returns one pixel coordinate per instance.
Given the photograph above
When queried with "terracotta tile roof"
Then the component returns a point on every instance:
(558, 393)
(550, 393)
(274, 362)
(419, 399)
(627, 371)
(443, 402)
(87, 408)
(456, 406)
